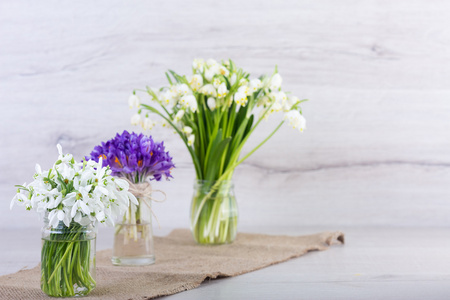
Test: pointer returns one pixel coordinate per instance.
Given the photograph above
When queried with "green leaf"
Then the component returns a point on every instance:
(249, 126)
(178, 78)
(168, 78)
(214, 159)
(227, 82)
(175, 75)
(215, 139)
(61, 180)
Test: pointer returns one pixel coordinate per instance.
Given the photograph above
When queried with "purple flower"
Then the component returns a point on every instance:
(135, 157)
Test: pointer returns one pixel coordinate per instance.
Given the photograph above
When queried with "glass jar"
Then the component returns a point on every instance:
(68, 259)
(133, 236)
(214, 212)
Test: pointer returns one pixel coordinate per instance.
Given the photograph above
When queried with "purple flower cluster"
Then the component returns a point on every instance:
(134, 156)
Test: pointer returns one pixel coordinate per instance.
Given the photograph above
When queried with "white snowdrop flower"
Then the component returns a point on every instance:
(191, 103)
(276, 107)
(136, 119)
(244, 89)
(58, 146)
(174, 91)
(291, 100)
(134, 101)
(147, 123)
(184, 100)
(179, 116)
(217, 82)
(222, 90)
(280, 97)
(240, 98)
(73, 197)
(211, 103)
(57, 215)
(243, 82)
(198, 64)
(38, 170)
(263, 101)
(188, 101)
(187, 130)
(164, 123)
(233, 79)
(196, 82)
(275, 82)
(211, 62)
(296, 120)
(211, 72)
(182, 89)
(64, 158)
(191, 140)
(21, 199)
(168, 98)
(255, 84)
(67, 171)
(224, 71)
(208, 90)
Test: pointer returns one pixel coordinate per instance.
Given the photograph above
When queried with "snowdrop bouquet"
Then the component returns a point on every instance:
(138, 159)
(215, 110)
(74, 196)
(80, 192)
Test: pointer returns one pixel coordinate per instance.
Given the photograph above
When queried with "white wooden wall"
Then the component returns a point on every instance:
(377, 147)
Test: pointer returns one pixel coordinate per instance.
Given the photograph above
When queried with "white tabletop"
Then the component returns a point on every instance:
(375, 263)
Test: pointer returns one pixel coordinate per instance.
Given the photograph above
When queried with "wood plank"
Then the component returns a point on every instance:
(376, 147)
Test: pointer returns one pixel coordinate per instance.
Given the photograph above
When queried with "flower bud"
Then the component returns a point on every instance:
(211, 103)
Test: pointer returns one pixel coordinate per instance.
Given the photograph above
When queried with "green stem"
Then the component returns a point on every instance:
(61, 260)
(229, 170)
(66, 262)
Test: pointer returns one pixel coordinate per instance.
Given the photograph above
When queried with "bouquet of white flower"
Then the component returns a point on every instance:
(215, 111)
(74, 196)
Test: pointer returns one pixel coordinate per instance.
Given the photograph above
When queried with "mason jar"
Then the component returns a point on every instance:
(68, 259)
(214, 212)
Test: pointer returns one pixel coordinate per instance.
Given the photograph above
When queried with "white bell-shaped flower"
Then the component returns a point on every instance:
(134, 101)
(222, 91)
(179, 115)
(208, 90)
(211, 103)
(275, 82)
(198, 65)
(191, 140)
(254, 85)
(240, 98)
(196, 82)
(147, 123)
(296, 120)
(136, 119)
(187, 130)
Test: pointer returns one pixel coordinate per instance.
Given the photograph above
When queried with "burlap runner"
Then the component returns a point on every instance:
(180, 265)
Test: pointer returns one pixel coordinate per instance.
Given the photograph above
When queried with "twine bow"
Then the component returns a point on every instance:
(143, 191)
